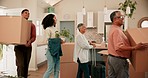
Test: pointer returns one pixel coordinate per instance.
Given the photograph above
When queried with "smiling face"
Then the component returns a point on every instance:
(25, 14)
(119, 19)
(83, 29)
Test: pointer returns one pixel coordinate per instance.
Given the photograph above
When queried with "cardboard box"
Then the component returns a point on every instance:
(68, 70)
(139, 58)
(14, 30)
(68, 50)
(134, 74)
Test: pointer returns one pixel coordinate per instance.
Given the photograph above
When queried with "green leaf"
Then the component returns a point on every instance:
(132, 5)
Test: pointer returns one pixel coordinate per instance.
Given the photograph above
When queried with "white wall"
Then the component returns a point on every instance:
(141, 11)
(11, 4)
(72, 6)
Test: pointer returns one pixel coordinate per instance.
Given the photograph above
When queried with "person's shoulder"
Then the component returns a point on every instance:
(116, 32)
(32, 25)
(115, 29)
(78, 35)
(47, 29)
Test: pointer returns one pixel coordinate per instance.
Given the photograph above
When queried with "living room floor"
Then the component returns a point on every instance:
(39, 73)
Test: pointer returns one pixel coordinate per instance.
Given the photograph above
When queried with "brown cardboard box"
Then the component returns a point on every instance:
(14, 30)
(68, 68)
(134, 74)
(139, 58)
(67, 49)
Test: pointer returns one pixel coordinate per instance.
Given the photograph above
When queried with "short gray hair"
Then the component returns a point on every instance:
(112, 15)
(80, 25)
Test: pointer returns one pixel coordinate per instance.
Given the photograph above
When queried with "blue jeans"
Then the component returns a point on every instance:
(52, 66)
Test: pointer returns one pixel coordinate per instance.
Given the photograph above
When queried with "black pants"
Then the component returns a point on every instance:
(23, 55)
(82, 68)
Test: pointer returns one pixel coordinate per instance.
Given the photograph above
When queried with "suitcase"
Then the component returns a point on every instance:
(98, 69)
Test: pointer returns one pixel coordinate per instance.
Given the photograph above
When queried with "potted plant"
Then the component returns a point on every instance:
(128, 3)
(71, 38)
(65, 33)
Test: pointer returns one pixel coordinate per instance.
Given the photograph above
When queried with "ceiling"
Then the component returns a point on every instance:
(42, 4)
(47, 3)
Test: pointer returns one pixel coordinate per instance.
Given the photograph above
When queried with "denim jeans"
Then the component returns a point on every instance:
(52, 66)
(82, 68)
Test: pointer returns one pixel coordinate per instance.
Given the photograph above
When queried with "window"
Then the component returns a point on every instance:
(39, 28)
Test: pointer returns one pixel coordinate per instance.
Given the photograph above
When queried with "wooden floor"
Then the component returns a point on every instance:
(39, 73)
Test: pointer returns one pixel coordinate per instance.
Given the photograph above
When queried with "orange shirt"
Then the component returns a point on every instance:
(116, 39)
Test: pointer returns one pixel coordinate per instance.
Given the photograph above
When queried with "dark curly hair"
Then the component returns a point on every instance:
(48, 21)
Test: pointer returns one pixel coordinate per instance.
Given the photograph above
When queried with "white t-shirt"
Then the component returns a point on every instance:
(50, 32)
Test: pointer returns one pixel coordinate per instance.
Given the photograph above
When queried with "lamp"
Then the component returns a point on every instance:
(128, 10)
(83, 9)
(105, 8)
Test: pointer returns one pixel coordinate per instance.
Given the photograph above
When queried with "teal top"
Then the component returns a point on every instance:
(54, 47)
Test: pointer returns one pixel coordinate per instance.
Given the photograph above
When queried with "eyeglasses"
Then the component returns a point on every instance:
(122, 17)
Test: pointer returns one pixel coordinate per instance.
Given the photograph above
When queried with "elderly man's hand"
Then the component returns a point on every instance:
(141, 46)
